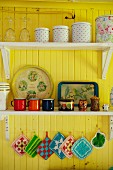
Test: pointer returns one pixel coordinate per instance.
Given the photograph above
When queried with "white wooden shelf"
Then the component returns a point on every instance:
(106, 48)
(76, 112)
(5, 114)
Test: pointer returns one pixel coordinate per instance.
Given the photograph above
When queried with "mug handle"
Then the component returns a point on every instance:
(27, 105)
(12, 103)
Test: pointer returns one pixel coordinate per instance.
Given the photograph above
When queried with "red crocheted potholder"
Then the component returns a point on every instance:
(66, 146)
(43, 149)
(19, 144)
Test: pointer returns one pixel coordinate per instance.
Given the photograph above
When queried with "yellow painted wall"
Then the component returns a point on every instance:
(61, 65)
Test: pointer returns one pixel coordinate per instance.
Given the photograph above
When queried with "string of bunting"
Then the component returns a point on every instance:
(60, 145)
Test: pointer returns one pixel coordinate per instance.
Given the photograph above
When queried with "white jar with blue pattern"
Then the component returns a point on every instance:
(81, 32)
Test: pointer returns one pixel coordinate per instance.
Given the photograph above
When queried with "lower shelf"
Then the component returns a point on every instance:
(5, 114)
(56, 112)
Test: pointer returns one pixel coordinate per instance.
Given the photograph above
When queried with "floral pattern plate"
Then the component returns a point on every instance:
(32, 82)
(77, 91)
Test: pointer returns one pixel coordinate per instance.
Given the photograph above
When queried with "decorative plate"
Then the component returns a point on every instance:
(32, 82)
(77, 91)
(55, 145)
(81, 148)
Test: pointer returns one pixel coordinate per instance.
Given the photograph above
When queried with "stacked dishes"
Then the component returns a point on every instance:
(4, 90)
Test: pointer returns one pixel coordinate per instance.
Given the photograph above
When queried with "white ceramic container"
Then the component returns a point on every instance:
(4, 90)
(104, 28)
(42, 34)
(81, 32)
(61, 33)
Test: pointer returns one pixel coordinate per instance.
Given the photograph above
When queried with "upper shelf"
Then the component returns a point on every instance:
(56, 46)
(106, 48)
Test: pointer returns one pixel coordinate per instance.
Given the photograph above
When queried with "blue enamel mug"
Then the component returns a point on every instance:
(48, 104)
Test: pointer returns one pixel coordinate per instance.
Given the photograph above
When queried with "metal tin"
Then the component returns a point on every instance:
(81, 32)
(42, 34)
(104, 28)
(66, 105)
(61, 33)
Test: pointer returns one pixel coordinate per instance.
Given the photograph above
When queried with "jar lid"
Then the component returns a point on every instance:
(95, 98)
(103, 16)
(66, 100)
(42, 28)
(60, 27)
(75, 23)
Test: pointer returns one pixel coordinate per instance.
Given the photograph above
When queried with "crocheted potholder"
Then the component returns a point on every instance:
(43, 149)
(55, 145)
(81, 148)
(31, 148)
(19, 144)
(98, 140)
(66, 146)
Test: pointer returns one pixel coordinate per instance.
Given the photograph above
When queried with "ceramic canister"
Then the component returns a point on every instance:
(4, 90)
(42, 34)
(61, 33)
(81, 32)
(104, 28)
(34, 104)
(66, 105)
(19, 104)
(95, 103)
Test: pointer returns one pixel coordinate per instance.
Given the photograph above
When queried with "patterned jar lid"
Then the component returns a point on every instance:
(42, 28)
(61, 27)
(103, 16)
(76, 23)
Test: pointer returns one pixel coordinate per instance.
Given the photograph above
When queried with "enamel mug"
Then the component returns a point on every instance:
(34, 104)
(19, 104)
(48, 104)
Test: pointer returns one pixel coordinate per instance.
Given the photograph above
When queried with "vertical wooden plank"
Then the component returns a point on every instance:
(77, 53)
(88, 130)
(1, 144)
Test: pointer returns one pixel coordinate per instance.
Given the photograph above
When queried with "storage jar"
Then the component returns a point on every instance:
(4, 90)
(104, 28)
(95, 103)
(42, 34)
(81, 32)
(61, 33)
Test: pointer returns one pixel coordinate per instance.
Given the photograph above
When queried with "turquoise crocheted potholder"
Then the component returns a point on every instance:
(55, 145)
(81, 148)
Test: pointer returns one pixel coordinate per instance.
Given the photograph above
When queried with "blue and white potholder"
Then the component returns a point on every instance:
(55, 145)
(81, 148)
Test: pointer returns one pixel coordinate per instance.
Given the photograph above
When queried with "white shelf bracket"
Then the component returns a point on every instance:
(5, 57)
(2, 116)
(110, 127)
(7, 127)
(106, 57)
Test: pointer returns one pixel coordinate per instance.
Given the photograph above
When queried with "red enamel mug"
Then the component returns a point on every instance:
(19, 104)
(34, 104)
